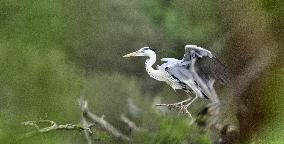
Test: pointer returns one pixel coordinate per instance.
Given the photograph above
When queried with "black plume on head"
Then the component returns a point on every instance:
(148, 48)
(152, 49)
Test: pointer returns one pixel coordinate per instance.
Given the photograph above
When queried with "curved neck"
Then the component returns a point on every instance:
(148, 65)
(150, 62)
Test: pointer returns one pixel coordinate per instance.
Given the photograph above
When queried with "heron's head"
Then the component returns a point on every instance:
(145, 51)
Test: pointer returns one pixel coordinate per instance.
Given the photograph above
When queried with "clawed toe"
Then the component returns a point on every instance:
(180, 106)
(176, 106)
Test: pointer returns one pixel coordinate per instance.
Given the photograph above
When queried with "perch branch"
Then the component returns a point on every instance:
(101, 121)
(177, 107)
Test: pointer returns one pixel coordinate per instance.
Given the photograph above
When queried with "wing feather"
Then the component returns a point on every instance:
(211, 68)
(207, 66)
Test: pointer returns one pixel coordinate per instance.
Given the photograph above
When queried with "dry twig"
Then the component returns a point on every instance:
(85, 125)
(53, 126)
(130, 123)
(101, 121)
(84, 122)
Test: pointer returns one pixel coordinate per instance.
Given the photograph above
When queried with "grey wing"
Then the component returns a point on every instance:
(182, 74)
(168, 62)
(181, 69)
(212, 69)
(207, 66)
(193, 51)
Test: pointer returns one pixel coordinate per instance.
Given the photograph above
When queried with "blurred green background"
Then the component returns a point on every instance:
(53, 51)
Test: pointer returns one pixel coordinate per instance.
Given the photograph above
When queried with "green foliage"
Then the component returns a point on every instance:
(173, 130)
(108, 94)
(189, 21)
(53, 51)
(37, 85)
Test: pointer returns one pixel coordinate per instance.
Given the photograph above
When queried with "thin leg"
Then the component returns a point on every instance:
(192, 101)
(184, 101)
(178, 104)
(183, 108)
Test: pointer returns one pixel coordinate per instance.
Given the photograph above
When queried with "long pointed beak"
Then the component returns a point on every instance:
(130, 54)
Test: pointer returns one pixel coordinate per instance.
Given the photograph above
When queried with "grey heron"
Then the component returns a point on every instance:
(196, 72)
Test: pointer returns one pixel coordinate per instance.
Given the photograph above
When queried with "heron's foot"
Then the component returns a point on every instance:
(176, 106)
(180, 107)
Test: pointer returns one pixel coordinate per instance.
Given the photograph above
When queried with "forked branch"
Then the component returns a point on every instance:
(101, 121)
(52, 126)
(85, 125)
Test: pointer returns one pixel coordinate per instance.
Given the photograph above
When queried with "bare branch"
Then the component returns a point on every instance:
(53, 126)
(130, 123)
(85, 125)
(84, 122)
(177, 107)
(100, 120)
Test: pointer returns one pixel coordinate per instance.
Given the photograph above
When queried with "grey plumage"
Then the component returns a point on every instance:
(199, 69)
(207, 65)
(211, 68)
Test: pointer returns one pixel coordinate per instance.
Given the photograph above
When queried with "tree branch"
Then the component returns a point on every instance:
(100, 120)
(84, 122)
(178, 107)
(53, 126)
(130, 123)
(80, 127)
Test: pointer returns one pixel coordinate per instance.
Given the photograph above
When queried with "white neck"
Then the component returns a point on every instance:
(148, 65)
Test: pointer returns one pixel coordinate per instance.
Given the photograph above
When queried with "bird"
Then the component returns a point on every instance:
(196, 72)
